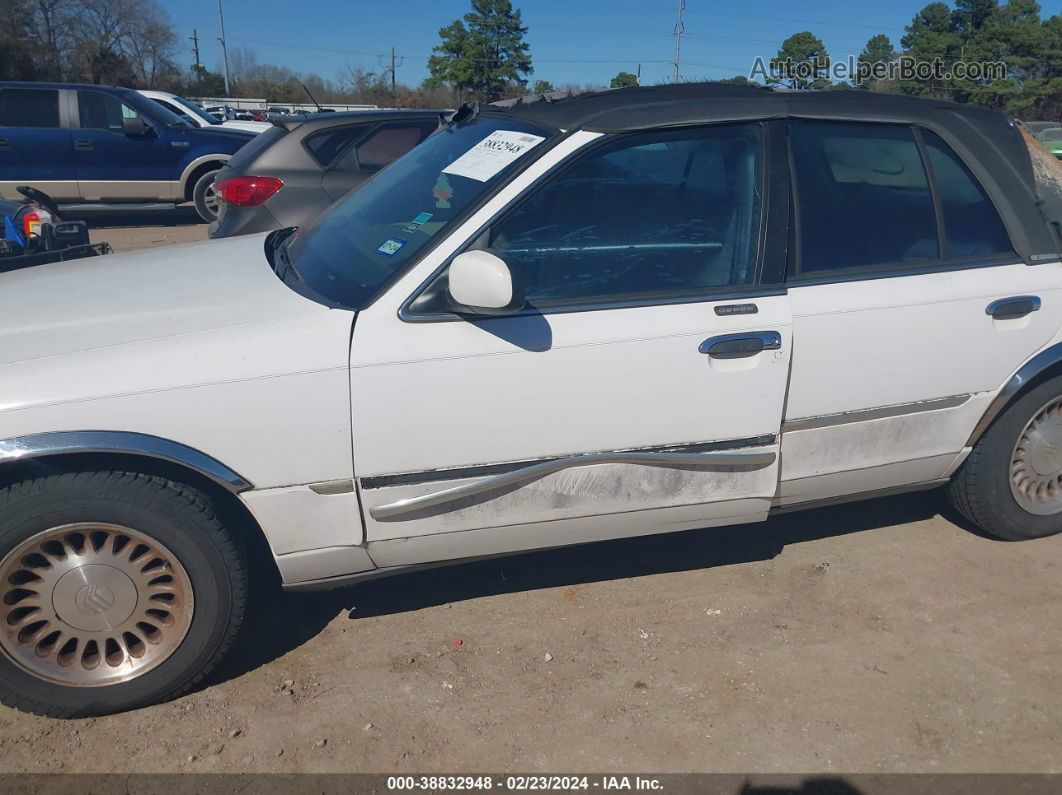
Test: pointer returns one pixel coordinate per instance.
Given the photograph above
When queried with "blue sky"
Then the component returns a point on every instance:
(572, 41)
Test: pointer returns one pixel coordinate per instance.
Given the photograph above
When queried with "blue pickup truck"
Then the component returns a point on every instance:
(100, 147)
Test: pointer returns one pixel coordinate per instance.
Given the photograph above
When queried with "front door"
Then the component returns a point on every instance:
(115, 167)
(641, 392)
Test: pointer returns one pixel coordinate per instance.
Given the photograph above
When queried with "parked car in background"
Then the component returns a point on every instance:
(96, 147)
(291, 173)
(1051, 137)
(629, 312)
(199, 117)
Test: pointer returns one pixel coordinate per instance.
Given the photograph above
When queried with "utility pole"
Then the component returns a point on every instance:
(224, 49)
(394, 84)
(679, 30)
(395, 62)
(195, 47)
(638, 75)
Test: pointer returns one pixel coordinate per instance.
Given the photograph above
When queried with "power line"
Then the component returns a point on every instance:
(625, 59)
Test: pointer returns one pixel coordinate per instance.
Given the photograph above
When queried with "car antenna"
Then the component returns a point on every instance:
(314, 101)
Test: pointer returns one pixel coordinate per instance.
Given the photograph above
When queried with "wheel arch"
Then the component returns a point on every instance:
(194, 170)
(1044, 365)
(64, 451)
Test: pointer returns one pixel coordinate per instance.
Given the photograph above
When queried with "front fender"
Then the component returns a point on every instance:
(43, 445)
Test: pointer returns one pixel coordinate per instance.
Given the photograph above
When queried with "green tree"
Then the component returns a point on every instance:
(803, 58)
(484, 55)
(879, 50)
(624, 80)
(543, 87)
(984, 31)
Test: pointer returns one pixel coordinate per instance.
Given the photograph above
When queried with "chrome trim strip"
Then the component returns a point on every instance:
(401, 507)
(329, 487)
(878, 413)
(43, 445)
(1037, 364)
(482, 470)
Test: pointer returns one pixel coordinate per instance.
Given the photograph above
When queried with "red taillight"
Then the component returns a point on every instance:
(248, 191)
(31, 224)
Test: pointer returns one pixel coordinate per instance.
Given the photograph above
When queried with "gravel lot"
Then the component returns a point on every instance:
(880, 637)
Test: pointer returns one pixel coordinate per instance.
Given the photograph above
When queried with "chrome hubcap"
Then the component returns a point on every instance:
(210, 198)
(92, 604)
(1036, 464)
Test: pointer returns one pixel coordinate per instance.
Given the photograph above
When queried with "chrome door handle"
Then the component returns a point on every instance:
(739, 346)
(1012, 308)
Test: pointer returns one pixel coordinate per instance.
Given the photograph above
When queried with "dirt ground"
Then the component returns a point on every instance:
(879, 637)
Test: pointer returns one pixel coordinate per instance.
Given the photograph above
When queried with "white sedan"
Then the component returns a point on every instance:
(640, 311)
(197, 116)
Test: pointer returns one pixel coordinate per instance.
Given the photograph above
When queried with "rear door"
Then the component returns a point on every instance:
(115, 167)
(364, 155)
(35, 145)
(910, 308)
(642, 390)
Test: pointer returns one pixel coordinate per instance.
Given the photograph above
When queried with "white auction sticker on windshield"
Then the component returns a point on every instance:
(492, 154)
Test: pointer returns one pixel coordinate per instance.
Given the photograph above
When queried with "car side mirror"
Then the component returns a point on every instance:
(482, 283)
(136, 127)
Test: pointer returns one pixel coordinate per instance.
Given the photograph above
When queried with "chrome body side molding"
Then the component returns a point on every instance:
(665, 459)
(1026, 373)
(43, 445)
(878, 413)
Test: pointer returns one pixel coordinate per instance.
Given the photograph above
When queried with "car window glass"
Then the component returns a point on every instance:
(102, 111)
(29, 107)
(863, 198)
(651, 214)
(171, 109)
(388, 144)
(972, 226)
(323, 146)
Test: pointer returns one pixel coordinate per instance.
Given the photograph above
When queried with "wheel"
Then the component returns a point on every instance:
(205, 196)
(117, 590)
(1011, 484)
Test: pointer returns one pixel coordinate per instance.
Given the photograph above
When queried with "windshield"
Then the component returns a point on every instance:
(152, 109)
(353, 251)
(196, 110)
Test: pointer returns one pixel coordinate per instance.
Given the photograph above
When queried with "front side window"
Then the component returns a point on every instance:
(29, 107)
(97, 111)
(348, 255)
(972, 227)
(645, 215)
(862, 197)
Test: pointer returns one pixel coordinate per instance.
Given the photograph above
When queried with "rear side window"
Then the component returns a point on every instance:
(325, 145)
(29, 107)
(98, 111)
(390, 143)
(863, 197)
(972, 227)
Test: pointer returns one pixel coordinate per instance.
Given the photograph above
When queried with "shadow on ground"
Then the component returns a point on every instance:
(304, 615)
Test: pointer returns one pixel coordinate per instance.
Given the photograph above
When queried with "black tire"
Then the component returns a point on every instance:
(981, 488)
(180, 518)
(201, 193)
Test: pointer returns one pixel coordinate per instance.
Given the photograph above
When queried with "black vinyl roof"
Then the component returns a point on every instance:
(648, 107)
(989, 142)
